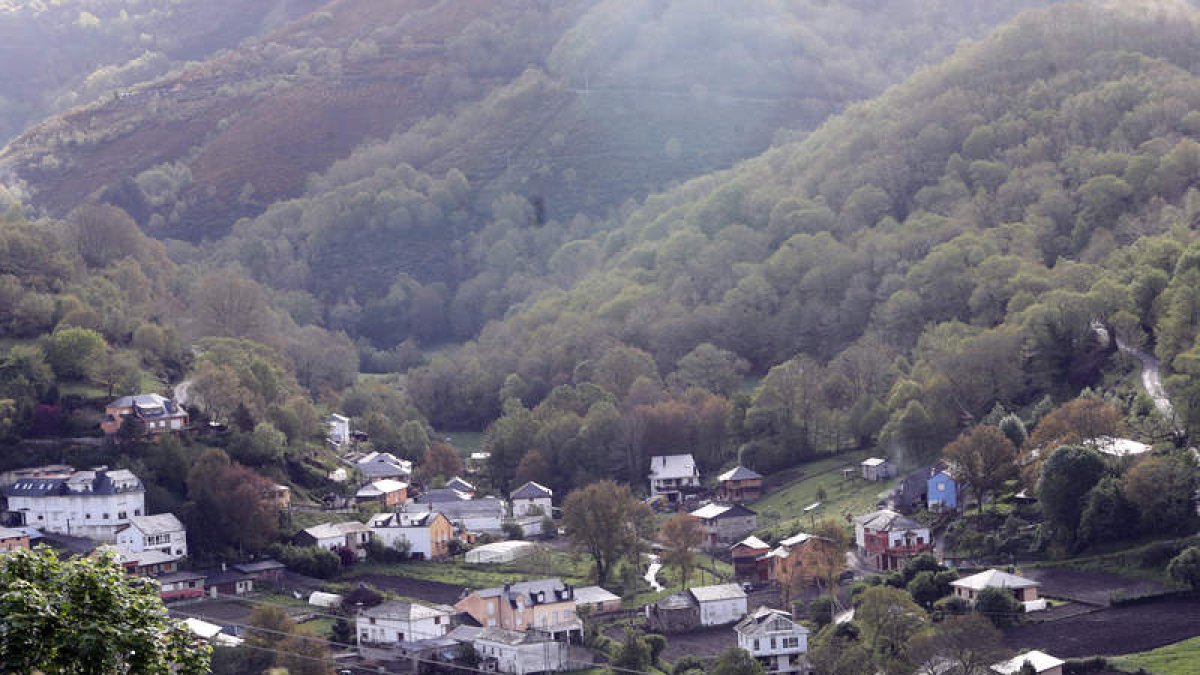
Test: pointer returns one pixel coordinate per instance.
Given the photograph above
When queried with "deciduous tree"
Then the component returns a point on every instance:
(984, 459)
(681, 534)
(604, 520)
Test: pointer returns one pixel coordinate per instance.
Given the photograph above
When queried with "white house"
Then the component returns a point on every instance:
(1024, 590)
(426, 535)
(531, 499)
(339, 429)
(1042, 663)
(162, 532)
(332, 536)
(396, 622)
(721, 604)
(671, 475)
(94, 504)
(775, 640)
(520, 652)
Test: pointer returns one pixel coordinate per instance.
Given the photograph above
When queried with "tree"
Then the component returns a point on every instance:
(998, 605)
(73, 353)
(709, 367)
(984, 458)
(104, 234)
(681, 534)
(441, 459)
(228, 505)
(635, 653)
(85, 615)
(1069, 473)
(302, 653)
(605, 521)
(820, 610)
(534, 467)
(1162, 489)
(230, 305)
(735, 661)
(1185, 567)
(889, 619)
(824, 554)
(969, 644)
(1107, 515)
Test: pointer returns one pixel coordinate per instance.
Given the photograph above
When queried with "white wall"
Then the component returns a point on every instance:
(718, 612)
(81, 515)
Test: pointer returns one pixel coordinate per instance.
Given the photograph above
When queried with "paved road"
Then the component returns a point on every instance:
(652, 573)
(1152, 381)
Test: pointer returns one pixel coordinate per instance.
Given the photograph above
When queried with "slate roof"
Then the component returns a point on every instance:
(9, 533)
(260, 566)
(532, 490)
(441, 496)
(459, 484)
(886, 520)
(402, 519)
(672, 466)
(382, 469)
(752, 542)
(795, 539)
(590, 595)
(718, 592)
(160, 523)
(380, 487)
(993, 579)
(406, 611)
(511, 637)
(221, 577)
(551, 587)
(755, 621)
(874, 461)
(330, 530)
(719, 511)
(1041, 662)
(488, 506)
(739, 473)
(84, 483)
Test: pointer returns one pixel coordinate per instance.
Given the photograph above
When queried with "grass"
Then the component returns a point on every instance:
(465, 442)
(540, 565)
(1181, 658)
(1131, 562)
(783, 507)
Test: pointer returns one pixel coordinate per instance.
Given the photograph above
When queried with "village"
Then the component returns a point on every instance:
(439, 576)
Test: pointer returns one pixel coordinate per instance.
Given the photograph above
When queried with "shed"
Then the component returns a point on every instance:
(597, 600)
(876, 468)
(321, 599)
(500, 552)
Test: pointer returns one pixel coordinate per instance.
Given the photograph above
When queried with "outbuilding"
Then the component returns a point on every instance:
(500, 552)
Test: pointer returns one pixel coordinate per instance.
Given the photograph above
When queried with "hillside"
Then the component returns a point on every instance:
(54, 56)
(634, 98)
(916, 261)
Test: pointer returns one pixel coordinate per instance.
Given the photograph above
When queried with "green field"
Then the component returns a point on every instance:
(783, 507)
(1181, 658)
(546, 563)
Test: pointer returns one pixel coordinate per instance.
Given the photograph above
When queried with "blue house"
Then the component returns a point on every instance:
(942, 489)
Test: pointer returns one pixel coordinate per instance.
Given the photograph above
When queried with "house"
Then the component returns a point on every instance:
(339, 429)
(596, 600)
(673, 476)
(775, 640)
(520, 652)
(546, 604)
(442, 496)
(943, 489)
(227, 582)
(333, 536)
(676, 613)
(478, 461)
(378, 465)
(148, 563)
(180, 585)
(425, 535)
(279, 495)
(263, 571)
(887, 539)
(784, 559)
(211, 633)
(748, 561)
(155, 414)
(875, 469)
(721, 604)
(531, 499)
(469, 515)
(11, 540)
(395, 623)
(459, 485)
(1042, 663)
(726, 523)
(1024, 590)
(161, 532)
(911, 493)
(93, 504)
(388, 492)
(740, 484)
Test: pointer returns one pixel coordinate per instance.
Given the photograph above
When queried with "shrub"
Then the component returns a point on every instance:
(998, 605)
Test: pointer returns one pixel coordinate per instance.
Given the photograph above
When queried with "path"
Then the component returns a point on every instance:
(1152, 381)
(652, 573)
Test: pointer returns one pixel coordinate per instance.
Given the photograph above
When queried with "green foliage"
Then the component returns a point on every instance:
(634, 653)
(734, 661)
(1067, 476)
(74, 353)
(998, 605)
(310, 561)
(1185, 567)
(820, 611)
(86, 615)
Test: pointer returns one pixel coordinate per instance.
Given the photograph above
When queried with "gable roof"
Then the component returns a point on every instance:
(874, 461)
(1041, 662)
(886, 520)
(406, 611)
(673, 466)
(718, 592)
(380, 487)
(161, 523)
(993, 579)
(552, 587)
(795, 539)
(404, 519)
(718, 511)
(441, 496)
(752, 542)
(764, 620)
(512, 637)
(532, 490)
(331, 530)
(594, 595)
(739, 473)
(457, 483)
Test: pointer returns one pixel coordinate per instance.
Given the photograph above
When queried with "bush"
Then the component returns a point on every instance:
(309, 561)
(951, 606)
(820, 610)
(999, 605)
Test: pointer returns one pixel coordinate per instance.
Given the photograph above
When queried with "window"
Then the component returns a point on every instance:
(399, 637)
(372, 621)
(773, 645)
(756, 644)
(106, 516)
(137, 512)
(86, 516)
(941, 487)
(437, 620)
(121, 515)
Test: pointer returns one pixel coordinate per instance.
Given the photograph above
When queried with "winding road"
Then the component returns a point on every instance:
(1152, 383)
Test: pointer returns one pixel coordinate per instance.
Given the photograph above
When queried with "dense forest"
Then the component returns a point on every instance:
(937, 256)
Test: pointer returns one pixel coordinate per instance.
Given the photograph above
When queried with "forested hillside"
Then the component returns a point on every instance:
(908, 267)
(57, 55)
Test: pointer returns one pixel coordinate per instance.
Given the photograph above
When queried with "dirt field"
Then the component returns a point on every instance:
(1089, 587)
(430, 591)
(703, 643)
(1112, 631)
